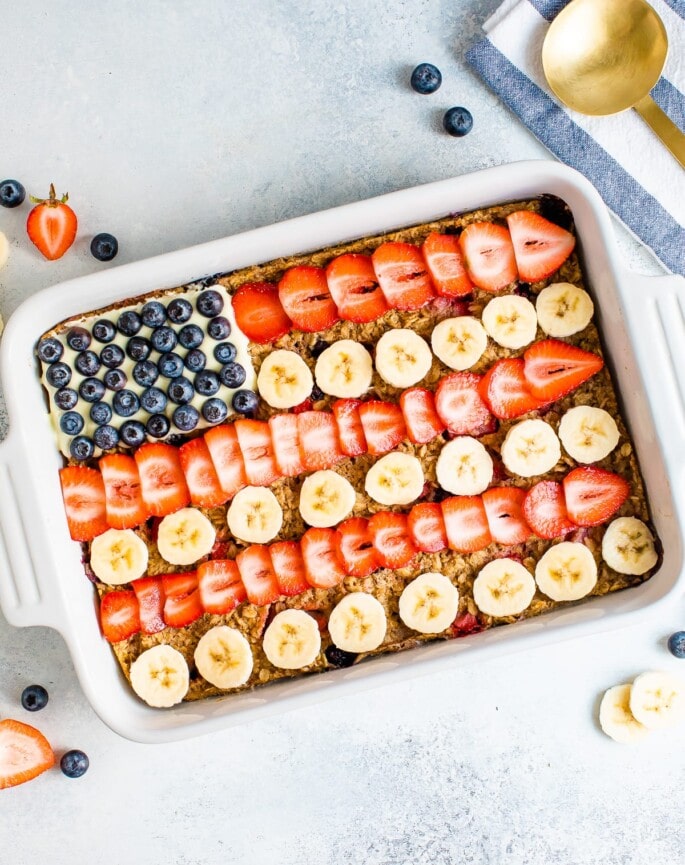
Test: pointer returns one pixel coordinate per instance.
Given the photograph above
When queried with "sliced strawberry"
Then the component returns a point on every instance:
(150, 594)
(258, 312)
(319, 442)
(123, 496)
(51, 225)
(466, 624)
(446, 266)
(403, 275)
(200, 474)
(162, 481)
(356, 551)
(504, 511)
(383, 425)
(221, 589)
(489, 255)
(466, 523)
(354, 288)
(350, 429)
(593, 495)
(554, 368)
(322, 564)
(391, 539)
(540, 246)
(420, 416)
(286, 443)
(460, 406)
(288, 565)
(427, 527)
(256, 447)
(119, 615)
(24, 753)
(544, 509)
(224, 449)
(257, 574)
(505, 389)
(84, 502)
(182, 604)
(303, 292)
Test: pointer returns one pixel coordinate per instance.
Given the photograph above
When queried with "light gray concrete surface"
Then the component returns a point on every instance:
(179, 122)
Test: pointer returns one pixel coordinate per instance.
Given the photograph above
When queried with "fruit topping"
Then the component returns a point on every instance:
(304, 295)
(200, 474)
(466, 523)
(429, 603)
(593, 495)
(319, 443)
(402, 274)
(83, 492)
(504, 513)
(123, 497)
(540, 246)
(119, 615)
(459, 404)
(224, 450)
(489, 255)
(553, 368)
(544, 509)
(383, 425)
(163, 484)
(350, 429)
(344, 369)
(288, 565)
(403, 358)
(220, 586)
(322, 563)
(150, 594)
(355, 548)
(257, 575)
(354, 288)
(427, 527)
(254, 439)
(390, 536)
(506, 390)
(186, 417)
(420, 415)
(259, 313)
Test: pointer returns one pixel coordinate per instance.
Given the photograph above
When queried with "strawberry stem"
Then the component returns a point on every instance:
(52, 200)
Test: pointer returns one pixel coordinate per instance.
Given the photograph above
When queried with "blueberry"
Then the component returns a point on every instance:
(179, 310)
(132, 433)
(158, 426)
(138, 348)
(676, 644)
(207, 383)
(317, 393)
(34, 698)
(209, 303)
(163, 339)
(66, 398)
(88, 363)
(115, 379)
(78, 338)
(190, 336)
(91, 389)
(214, 410)
(74, 764)
(112, 356)
(232, 375)
(100, 413)
(145, 373)
(180, 391)
(125, 403)
(186, 417)
(170, 365)
(104, 246)
(219, 328)
(457, 121)
(153, 314)
(129, 323)
(106, 437)
(319, 347)
(153, 400)
(225, 352)
(245, 401)
(50, 349)
(12, 193)
(58, 375)
(81, 448)
(426, 78)
(104, 330)
(195, 360)
(71, 423)
(339, 657)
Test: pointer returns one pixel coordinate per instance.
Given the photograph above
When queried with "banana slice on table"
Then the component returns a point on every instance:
(657, 699)
(616, 719)
(459, 342)
(464, 467)
(4, 252)
(403, 358)
(118, 556)
(510, 320)
(503, 588)
(395, 479)
(254, 515)
(160, 676)
(344, 369)
(566, 572)
(628, 546)
(588, 434)
(185, 537)
(531, 448)
(223, 657)
(358, 623)
(292, 640)
(563, 309)
(326, 499)
(284, 379)
(429, 604)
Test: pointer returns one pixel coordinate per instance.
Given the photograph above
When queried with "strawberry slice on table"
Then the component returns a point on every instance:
(150, 594)
(224, 449)
(257, 574)
(123, 497)
(554, 368)
(259, 313)
(391, 539)
(52, 225)
(489, 255)
(25, 753)
(286, 443)
(256, 447)
(182, 604)
(119, 615)
(403, 275)
(322, 564)
(460, 406)
(466, 523)
(420, 415)
(383, 425)
(540, 246)
(593, 495)
(446, 266)
(220, 587)
(162, 482)
(319, 440)
(350, 429)
(504, 512)
(505, 389)
(83, 492)
(355, 548)
(304, 295)
(354, 288)
(427, 527)
(544, 509)
(201, 476)
(288, 565)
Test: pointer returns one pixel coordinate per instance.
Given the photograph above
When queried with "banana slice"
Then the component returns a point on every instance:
(344, 369)
(429, 604)
(510, 320)
(566, 572)
(254, 515)
(118, 556)
(358, 623)
(4, 250)
(223, 657)
(326, 498)
(396, 479)
(464, 467)
(530, 448)
(160, 676)
(563, 309)
(616, 719)
(503, 588)
(403, 358)
(657, 700)
(284, 379)
(185, 537)
(459, 342)
(628, 546)
(588, 434)
(292, 640)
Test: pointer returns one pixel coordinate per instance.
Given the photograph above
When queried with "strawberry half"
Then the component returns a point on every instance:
(319, 441)
(220, 587)
(256, 447)
(259, 313)
(554, 368)
(162, 482)
(383, 425)
(150, 594)
(52, 225)
(403, 275)
(460, 406)
(304, 295)
(445, 263)
(540, 246)
(354, 288)
(489, 255)
(322, 564)
(355, 549)
(427, 527)
(505, 389)
(201, 476)
(257, 574)
(286, 443)
(420, 416)
(391, 539)
(182, 604)
(224, 449)
(544, 509)
(119, 615)
(504, 512)
(83, 492)
(25, 753)
(288, 565)
(350, 429)
(123, 496)
(466, 523)
(593, 495)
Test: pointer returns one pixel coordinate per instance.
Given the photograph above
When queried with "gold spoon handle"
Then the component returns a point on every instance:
(662, 126)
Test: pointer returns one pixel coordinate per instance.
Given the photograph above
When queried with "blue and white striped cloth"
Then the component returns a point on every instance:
(637, 177)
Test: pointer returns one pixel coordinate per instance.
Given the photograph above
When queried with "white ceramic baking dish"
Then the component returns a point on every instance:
(41, 577)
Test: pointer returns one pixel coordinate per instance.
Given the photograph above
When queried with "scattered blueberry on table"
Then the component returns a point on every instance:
(426, 78)
(12, 193)
(676, 644)
(34, 698)
(104, 246)
(74, 763)
(457, 121)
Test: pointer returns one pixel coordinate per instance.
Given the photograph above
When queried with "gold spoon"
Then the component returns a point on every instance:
(604, 56)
